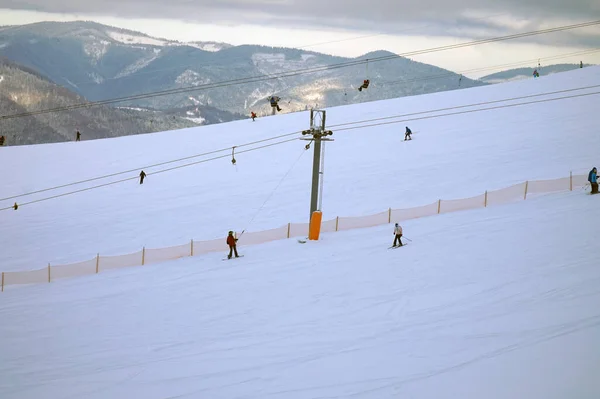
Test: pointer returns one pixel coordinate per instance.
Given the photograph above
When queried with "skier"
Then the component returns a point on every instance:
(274, 100)
(397, 234)
(580, 64)
(231, 241)
(536, 74)
(593, 179)
(1, 140)
(253, 116)
(142, 175)
(78, 136)
(407, 135)
(364, 85)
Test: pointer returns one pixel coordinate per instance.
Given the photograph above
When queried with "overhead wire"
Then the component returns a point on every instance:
(264, 77)
(274, 190)
(488, 68)
(342, 129)
(470, 111)
(297, 132)
(153, 173)
(229, 59)
(466, 106)
(451, 73)
(146, 167)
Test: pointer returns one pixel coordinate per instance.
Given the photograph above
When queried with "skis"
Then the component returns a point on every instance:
(398, 246)
(233, 257)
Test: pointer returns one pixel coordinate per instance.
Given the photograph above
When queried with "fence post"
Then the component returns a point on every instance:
(337, 222)
(289, 228)
(389, 215)
(2, 281)
(97, 263)
(485, 200)
(571, 181)
(192, 247)
(439, 205)
(143, 255)
(526, 185)
(48, 272)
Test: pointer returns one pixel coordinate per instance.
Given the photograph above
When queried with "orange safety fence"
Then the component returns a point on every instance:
(147, 256)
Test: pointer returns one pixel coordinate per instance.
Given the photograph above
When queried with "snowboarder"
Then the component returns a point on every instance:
(142, 175)
(253, 116)
(231, 241)
(78, 136)
(593, 179)
(408, 134)
(364, 85)
(397, 234)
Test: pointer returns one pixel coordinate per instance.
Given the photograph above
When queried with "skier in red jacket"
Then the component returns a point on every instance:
(231, 241)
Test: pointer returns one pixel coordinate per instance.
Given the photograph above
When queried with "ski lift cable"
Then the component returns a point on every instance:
(464, 106)
(273, 191)
(487, 68)
(295, 133)
(228, 60)
(149, 174)
(470, 111)
(147, 167)
(294, 139)
(450, 73)
(253, 79)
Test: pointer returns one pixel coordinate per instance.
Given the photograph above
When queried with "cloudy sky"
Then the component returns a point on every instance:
(349, 27)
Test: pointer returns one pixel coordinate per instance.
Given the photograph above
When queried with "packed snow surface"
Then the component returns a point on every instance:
(500, 302)
(494, 303)
(367, 170)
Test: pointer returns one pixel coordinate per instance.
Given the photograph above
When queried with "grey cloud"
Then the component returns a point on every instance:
(423, 17)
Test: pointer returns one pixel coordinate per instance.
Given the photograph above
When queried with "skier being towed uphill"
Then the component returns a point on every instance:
(231, 241)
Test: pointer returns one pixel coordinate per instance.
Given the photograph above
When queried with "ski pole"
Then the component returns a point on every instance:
(407, 238)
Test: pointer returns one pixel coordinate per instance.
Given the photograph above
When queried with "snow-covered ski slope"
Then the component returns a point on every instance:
(367, 170)
(493, 303)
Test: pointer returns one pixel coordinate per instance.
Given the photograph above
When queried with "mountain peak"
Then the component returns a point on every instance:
(95, 30)
(377, 54)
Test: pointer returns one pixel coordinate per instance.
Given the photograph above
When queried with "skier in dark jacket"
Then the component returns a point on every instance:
(365, 85)
(142, 176)
(593, 179)
(231, 241)
(78, 136)
(408, 134)
(274, 100)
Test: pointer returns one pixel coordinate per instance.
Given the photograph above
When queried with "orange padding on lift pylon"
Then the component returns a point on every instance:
(315, 225)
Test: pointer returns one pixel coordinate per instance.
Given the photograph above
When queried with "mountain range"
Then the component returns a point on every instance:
(24, 91)
(156, 83)
(100, 62)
